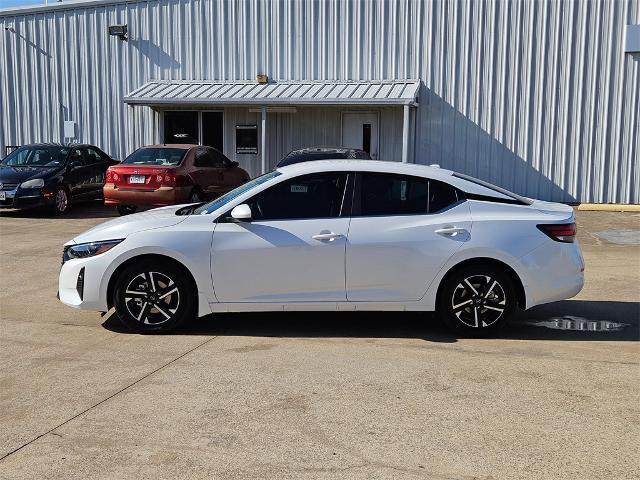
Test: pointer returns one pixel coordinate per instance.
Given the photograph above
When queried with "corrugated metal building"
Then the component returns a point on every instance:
(541, 97)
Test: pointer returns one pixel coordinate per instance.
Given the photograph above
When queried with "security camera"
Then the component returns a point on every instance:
(9, 28)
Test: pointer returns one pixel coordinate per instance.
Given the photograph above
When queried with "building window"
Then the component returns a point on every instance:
(189, 126)
(246, 139)
(181, 127)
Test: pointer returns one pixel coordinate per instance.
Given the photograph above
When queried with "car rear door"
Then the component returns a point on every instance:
(205, 173)
(403, 230)
(79, 173)
(293, 249)
(98, 163)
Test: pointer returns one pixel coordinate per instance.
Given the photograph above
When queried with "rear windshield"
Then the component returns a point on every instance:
(495, 188)
(40, 156)
(161, 156)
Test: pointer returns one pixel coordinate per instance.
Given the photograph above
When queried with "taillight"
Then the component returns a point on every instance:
(109, 176)
(170, 180)
(560, 232)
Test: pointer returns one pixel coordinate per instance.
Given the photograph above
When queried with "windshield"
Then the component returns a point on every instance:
(227, 197)
(161, 156)
(42, 156)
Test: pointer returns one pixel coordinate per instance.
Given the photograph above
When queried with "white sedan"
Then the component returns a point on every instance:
(331, 235)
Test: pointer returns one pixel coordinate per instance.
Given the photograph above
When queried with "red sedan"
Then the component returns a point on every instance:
(160, 175)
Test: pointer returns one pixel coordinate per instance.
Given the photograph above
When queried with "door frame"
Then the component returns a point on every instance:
(377, 114)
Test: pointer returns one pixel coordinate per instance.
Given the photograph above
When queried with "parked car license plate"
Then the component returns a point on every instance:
(3, 196)
(136, 179)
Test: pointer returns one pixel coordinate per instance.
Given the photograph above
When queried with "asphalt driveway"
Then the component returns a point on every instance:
(318, 395)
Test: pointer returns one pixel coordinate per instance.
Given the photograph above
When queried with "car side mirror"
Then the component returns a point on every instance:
(241, 213)
(233, 165)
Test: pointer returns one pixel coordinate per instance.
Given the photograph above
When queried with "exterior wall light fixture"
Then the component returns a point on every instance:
(119, 31)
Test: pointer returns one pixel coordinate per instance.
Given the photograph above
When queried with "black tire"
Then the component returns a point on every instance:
(126, 209)
(165, 297)
(477, 300)
(60, 201)
(196, 196)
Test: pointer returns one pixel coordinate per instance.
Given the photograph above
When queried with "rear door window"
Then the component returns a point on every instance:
(382, 194)
(204, 158)
(389, 194)
(441, 196)
(93, 156)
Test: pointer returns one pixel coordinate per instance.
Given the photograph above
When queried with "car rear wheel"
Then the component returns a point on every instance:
(126, 209)
(60, 201)
(477, 300)
(152, 298)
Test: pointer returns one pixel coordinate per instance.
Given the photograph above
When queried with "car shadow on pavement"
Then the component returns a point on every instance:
(80, 210)
(569, 320)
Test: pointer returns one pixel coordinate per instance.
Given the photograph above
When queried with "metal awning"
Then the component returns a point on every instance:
(326, 92)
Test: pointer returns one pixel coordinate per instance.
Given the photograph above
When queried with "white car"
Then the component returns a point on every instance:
(331, 235)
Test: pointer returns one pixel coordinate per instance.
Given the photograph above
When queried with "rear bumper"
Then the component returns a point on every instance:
(159, 197)
(555, 271)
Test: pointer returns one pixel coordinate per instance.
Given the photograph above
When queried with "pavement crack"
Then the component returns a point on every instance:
(107, 398)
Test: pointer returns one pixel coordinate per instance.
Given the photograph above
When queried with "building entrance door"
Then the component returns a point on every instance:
(360, 130)
(212, 133)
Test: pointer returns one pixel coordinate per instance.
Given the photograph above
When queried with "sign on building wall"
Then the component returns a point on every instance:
(246, 139)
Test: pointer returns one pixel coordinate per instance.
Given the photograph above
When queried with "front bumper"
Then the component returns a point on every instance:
(84, 294)
(25, 199)
(159, 197)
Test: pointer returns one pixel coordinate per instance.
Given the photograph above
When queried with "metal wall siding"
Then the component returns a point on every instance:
(537, 96)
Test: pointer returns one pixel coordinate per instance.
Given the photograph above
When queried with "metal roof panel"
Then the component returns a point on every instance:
(331, 92)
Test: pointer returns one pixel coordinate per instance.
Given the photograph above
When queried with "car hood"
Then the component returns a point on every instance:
(125, 226)
(9, 174)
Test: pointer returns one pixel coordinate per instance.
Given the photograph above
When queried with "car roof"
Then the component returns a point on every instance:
(184, 146)
(326, 149)
(379, 166)
(366, 166)
(57, 144)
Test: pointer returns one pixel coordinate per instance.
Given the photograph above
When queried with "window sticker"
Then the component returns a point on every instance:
(299, 189)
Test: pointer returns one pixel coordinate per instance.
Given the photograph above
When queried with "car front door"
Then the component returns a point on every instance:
(403, 230)
(293, 248)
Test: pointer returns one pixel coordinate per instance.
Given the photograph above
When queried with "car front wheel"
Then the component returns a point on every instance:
(153, 298)
(60, 201)
(477, 300)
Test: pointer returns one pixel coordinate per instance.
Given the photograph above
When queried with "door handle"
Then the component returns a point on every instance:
(450, 231)
(327, 237)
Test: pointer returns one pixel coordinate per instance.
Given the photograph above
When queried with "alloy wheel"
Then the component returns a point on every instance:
(152, 298)
(479, 301)
(62, 201)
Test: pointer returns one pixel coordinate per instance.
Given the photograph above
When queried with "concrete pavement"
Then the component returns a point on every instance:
(316, 395)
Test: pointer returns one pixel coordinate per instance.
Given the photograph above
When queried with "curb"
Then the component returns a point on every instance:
(608, 207)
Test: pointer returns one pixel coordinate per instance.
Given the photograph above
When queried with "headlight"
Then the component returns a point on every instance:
(84, 250)
(35, 183)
